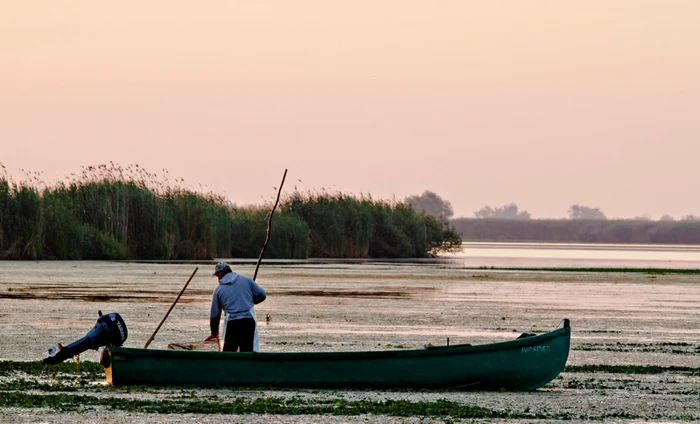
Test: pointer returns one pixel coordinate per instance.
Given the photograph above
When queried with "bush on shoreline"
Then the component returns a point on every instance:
(110, 212)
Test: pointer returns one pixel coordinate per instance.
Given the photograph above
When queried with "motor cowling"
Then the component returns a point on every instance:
(109, 330)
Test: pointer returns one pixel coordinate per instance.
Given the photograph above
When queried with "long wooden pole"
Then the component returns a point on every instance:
(269, 225)
(262, 252)
(150, 339)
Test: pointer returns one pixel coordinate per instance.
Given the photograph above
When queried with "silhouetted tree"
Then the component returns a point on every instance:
(431, 204)
(584, 212)
(690, 218)
(509, 211)
(667, 218)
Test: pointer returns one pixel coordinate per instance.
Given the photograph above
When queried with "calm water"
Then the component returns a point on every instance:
(525, 255)
(539, 255)
(576, 255)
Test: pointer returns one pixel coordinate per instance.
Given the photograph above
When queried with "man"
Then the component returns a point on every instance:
(236, 294)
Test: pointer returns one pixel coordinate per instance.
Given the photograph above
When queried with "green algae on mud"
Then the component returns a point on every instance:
(23, 385)
(442, 408)
(674, 348)
(68, 391)
(269, 405)
(278, 406)
(629, 369)
(88, 369)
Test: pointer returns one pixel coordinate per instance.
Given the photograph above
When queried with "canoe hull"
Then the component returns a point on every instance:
(521, 364)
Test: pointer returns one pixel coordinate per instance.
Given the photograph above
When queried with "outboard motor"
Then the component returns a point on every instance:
(109, 330)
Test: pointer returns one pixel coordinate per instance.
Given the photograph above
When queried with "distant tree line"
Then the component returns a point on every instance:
(585, 225)
(579, 230)
(110, 212)
(511, 211)
(576, 212)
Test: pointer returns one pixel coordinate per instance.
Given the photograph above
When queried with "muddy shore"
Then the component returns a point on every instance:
(617, 318)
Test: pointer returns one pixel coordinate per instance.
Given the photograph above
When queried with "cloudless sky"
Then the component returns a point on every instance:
(542, 103)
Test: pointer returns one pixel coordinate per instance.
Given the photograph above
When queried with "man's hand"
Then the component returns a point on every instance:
(212, 337)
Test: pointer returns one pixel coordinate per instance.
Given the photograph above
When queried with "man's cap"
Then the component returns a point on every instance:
(221, 266)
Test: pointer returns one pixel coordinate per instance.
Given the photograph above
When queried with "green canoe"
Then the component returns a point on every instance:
(521, 364)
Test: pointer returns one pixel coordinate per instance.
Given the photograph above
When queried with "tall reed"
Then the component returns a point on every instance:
(343, 226)
(20, 221)
(111, 212)
(289, 237)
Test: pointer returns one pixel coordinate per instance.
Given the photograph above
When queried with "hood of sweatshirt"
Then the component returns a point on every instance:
(228, 278)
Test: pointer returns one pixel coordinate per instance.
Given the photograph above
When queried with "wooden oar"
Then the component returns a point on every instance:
(150, 339)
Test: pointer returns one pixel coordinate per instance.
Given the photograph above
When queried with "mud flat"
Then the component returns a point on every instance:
(635, 340)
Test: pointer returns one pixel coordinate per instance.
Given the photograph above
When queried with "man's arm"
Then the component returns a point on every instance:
(258, 293)
(214, 316)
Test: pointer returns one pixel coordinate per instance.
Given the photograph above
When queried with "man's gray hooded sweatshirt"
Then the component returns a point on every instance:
(236, 294)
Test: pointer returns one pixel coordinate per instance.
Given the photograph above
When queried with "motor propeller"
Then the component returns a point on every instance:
(110, 329)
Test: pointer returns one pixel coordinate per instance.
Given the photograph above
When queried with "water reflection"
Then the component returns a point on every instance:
(535, 255)
(576, 255)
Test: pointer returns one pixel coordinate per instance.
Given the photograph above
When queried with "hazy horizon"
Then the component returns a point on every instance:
(545, 104)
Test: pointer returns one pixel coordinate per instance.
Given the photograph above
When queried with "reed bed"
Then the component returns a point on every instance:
(351, 226)
(110, 212)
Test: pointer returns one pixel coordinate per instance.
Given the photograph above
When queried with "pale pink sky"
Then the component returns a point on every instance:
(542, 103)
